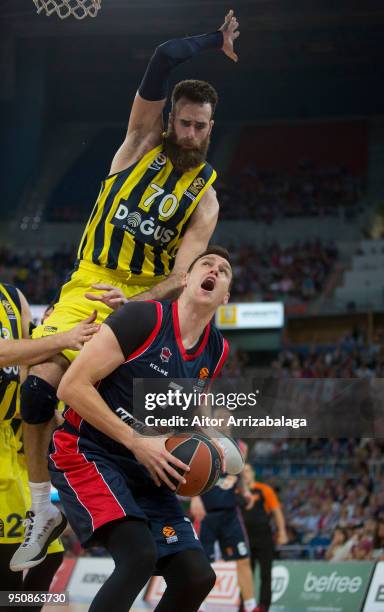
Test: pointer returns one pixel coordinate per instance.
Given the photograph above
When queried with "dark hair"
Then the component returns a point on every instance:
(199, 92)
(343, 531)
(215, 249)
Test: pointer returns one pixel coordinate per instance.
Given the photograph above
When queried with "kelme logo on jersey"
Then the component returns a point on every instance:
(165, 354)
(133, 223)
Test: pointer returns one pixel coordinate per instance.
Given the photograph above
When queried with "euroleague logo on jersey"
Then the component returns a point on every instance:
(165, 354)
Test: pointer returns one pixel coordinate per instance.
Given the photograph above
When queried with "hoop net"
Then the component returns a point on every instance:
(64, 8)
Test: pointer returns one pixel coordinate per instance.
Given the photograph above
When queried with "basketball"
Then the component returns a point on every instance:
(202, 456)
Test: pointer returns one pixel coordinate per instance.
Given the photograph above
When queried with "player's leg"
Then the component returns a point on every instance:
(94, 490)
(9, 581)
(131, 545)
(235, 546)
(209, 534)
(245, 582)
(189, 578)
(38, 402)
(265, 550)
(39, 578)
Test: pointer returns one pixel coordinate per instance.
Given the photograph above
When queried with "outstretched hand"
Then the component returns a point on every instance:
(230, 33)
(81, 333)
(113, 298)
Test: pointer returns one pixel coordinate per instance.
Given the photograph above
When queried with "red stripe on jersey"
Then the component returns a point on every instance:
(222, 359)
(176, 327)
(73, 417)
(139, 351)
(85, 480)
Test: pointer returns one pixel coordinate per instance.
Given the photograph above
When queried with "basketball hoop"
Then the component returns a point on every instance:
(64, 8)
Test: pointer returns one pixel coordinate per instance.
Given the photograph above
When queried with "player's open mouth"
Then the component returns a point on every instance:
(209, 283)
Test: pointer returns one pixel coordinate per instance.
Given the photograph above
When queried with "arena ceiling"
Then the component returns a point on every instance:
(275, 33)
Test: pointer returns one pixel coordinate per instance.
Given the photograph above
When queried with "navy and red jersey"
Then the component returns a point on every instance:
(223, 495)
(150, 340)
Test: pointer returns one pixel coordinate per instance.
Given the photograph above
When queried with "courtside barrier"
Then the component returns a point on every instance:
(297, 586)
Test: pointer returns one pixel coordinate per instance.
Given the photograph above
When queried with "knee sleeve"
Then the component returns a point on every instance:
(37, 400)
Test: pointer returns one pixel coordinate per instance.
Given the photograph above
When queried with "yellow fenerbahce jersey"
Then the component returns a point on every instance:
(10, 328)
(141, 215)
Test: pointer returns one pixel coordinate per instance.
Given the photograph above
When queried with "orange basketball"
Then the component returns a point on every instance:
(202, 456)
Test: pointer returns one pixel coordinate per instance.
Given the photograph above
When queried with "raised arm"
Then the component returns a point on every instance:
(145, 124)
(195, 241)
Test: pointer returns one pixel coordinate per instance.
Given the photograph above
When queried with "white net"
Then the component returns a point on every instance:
(64, 8)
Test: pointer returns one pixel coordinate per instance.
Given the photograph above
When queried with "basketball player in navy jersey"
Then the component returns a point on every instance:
(114, 483)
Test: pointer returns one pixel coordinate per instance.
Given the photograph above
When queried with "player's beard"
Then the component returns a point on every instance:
(184, 159)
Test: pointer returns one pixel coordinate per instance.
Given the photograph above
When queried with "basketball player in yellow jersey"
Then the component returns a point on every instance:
(155, 212)
(17, 349)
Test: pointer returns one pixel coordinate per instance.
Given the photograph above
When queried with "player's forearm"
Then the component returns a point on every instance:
(168, 289)
(82, 397)
(170, 54)
(279, 518)
(243, 489)
(31, 352)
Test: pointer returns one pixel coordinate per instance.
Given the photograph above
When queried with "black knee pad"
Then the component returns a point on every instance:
(37, 400)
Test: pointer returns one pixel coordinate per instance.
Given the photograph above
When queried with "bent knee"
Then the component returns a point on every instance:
(51, 371)
(37, 400)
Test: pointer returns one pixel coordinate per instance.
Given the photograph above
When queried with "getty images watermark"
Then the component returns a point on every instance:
(175, 398)
(250, 407)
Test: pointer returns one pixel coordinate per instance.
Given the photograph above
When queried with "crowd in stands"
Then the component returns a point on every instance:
(38, 276)
(267, 196)
(270, 272)
(350, 357)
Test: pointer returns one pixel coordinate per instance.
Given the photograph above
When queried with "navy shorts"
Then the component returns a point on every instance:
(227, 528)
(97, 487)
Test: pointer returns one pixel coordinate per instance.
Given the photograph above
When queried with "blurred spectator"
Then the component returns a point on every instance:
(378, 541)
(271, 272)
(267, 196)
(339, 547)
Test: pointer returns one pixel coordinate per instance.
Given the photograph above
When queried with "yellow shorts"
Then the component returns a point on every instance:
(73, 307)
(14, 491)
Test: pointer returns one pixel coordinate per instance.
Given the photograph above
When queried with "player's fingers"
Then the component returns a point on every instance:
(90, 331)
(162, 475)
(92, 296)
(172, 472)
(236, 35)
(111, 294)
(171, 459)
(154, 476)
(91, 318)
